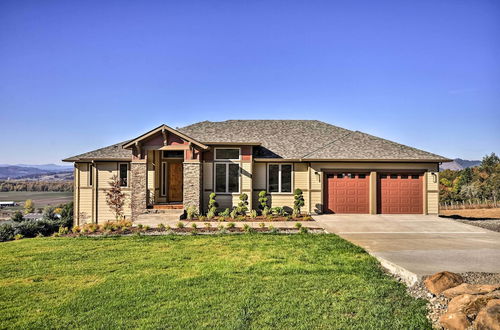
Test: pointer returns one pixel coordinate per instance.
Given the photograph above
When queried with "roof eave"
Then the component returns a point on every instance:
(160, 128)
(351, 160)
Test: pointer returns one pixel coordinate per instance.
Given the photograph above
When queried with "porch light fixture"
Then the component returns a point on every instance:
(434, 177)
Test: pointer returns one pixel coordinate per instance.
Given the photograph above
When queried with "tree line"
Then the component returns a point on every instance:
(474, 185)
(15, 185)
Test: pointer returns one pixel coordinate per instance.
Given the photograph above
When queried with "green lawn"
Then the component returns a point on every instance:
(231, 282)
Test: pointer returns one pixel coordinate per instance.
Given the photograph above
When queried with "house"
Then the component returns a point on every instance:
(338, 170)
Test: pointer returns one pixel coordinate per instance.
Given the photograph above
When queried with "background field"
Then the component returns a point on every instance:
(40, 199)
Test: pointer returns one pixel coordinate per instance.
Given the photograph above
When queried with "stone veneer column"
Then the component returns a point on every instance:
(192, 185)
(138, 185)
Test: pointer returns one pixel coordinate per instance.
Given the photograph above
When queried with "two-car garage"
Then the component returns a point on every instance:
(396, 193)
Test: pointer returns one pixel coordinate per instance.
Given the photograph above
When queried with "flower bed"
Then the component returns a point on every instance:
(259, 218)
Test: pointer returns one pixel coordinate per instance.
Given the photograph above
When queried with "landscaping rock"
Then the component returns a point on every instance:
(489, 317)
(441, 281)
(454, 321)
(460, 303)
(466, 288)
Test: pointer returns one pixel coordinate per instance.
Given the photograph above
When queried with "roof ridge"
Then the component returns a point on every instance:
(329, 143)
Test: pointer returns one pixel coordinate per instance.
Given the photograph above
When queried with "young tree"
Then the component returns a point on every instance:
(243, 204)
(262, 199)
(29, 206)
(115, 198)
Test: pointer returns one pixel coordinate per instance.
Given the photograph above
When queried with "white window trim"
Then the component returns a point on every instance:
(279, 192)
(163, 178)
(227, 192)
(128, 174)
(227, 160)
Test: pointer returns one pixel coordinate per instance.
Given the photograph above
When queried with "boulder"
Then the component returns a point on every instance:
(489, 316)
(460, 303)
(441, 281)
(466, 288)
(454, 321)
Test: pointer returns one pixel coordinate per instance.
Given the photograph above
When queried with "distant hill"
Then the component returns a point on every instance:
(35, 172)
(459, 164)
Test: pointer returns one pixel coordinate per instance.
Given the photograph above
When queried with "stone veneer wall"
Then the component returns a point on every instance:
(192, 185)
(138, 185)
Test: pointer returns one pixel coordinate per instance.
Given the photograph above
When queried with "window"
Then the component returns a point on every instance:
(279, 178)
(123, 172)
(173, 154)
(415, 176)
(227, 154)
(227, 178)
(403, 176)
(351, 175)
(383, 176)
(340, 176)
(91, 174)
(394, 176)
(362, 176)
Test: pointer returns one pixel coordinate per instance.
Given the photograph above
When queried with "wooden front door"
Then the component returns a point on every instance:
(174, 182)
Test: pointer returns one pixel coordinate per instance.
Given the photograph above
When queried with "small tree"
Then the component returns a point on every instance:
(262, 200)
(29, 206)
(298, 201)
(115, 198)
(243, 204)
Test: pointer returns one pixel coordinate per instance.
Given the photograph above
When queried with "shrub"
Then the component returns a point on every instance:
(6, 232)
(233, 213)
(307, 218)
(201, 218)
(253, 214)
(63, 230)
(180, 224)
(278, 210)
(190, 212)
(18, 237)
(303, 230)
(231, 225)
(146, 228)
(168, 228)
(210, 215)
(225, 213)
(298, 225)
(241, 218)
(161, 227)
(248, 229)
(273, 230)
(270, 217)
(298, 202)
(243, 204)
(140, 226)
(263, 199)
(212, 204)
(17, 217)
(76, 229)
(208, 225)
(194, 225)
(220, 227)
(262, 225)
(266, 211)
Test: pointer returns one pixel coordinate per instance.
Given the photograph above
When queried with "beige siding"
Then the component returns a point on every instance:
(208, 176)
(89, 209)
(432, 192)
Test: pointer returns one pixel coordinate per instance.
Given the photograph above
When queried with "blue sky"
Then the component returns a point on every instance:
(78, 75)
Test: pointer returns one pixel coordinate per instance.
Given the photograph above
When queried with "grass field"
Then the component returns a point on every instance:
(229, 282)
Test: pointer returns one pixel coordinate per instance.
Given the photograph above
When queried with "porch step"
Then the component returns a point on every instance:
(168, 207)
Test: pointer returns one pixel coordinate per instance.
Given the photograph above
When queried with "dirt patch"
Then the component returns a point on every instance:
(472, 214)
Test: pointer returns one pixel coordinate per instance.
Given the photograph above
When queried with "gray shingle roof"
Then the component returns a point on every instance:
(287, 139)
(111, 152)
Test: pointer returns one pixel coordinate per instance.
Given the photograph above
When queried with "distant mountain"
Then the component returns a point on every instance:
(459, 164)
(47, 167)
(34, 171)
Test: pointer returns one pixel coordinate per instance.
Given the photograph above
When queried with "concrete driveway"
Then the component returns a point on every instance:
(417, 245)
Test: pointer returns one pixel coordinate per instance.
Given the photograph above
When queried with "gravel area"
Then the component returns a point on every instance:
(437, 305)
(486, 224)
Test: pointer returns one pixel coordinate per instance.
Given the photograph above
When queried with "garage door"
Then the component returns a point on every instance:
(400, 193)
(347, 193)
